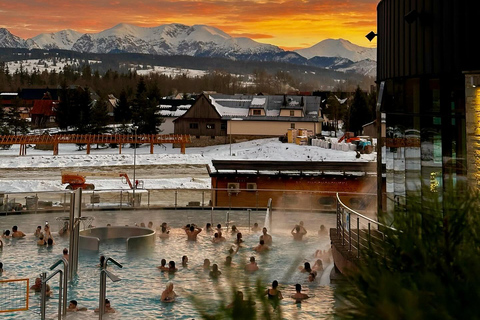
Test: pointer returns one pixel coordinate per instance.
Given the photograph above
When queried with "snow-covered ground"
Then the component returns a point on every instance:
(24, 173)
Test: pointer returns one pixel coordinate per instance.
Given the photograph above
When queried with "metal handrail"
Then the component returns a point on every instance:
(352, 238)
(65, 282)
(43, 301)
(103, 284)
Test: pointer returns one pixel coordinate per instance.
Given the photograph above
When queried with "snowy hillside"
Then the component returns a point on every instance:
(64, 39)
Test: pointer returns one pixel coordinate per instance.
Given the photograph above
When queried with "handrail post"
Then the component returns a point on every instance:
(249, 214)
(358, 237)
(350, 231)
(369, 236)
(65, 282)
(43, 298)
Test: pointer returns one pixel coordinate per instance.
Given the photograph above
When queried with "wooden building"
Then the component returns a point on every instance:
(293, 185)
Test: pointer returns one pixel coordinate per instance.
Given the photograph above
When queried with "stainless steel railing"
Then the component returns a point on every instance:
(357, 231)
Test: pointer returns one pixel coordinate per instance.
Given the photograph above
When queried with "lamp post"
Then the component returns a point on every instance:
(231, 123)
(134, 163)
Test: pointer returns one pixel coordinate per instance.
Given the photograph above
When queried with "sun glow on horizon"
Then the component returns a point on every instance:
(289, 24)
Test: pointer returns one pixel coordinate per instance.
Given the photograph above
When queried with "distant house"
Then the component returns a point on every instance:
(44, 111)
(112, 103)
(215, 118)
(171, 109)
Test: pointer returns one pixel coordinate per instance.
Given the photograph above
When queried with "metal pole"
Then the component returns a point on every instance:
(71, 227)
(369, 244)
(203, 199)
(43, 299)
(148, 199)
(211, 217)
(176, 191)
(249, 213)
(230, 139)
(350, 232)
(36, 202)
(134, 164)
(60, 292)
(121, 199)
(358, 237)
(103, 293)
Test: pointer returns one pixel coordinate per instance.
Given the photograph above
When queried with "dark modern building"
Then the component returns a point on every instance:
(428, 73)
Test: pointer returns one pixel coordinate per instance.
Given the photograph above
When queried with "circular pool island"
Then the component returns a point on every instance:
(136, 237)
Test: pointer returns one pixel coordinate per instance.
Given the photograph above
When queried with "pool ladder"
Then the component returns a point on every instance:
(62, 289)
(104, 273)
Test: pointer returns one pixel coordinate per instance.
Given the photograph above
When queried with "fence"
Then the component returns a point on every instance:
(357, 231)
(14, 295)
(302, 200)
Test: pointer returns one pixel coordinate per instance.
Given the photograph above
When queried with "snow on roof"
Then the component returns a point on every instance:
(168, 113)
(260, 102)
(228, 111)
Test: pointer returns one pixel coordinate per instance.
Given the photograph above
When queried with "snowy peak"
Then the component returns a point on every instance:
(339, 48)
(64, 39)
(8, 40)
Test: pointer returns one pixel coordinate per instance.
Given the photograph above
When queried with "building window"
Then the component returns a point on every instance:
(257, 112)
(193, 125)
(292, 113)
(223, 126)
(210, 125)
(292, 125)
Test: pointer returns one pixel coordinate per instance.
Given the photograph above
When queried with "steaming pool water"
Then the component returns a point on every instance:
(137, 295)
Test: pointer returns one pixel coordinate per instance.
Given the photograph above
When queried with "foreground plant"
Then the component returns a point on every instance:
(429, 268)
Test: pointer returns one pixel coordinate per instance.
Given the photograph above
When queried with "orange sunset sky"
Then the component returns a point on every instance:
(288, 24)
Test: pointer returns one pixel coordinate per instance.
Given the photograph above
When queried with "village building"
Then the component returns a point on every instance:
(219, 119)
(293, 185)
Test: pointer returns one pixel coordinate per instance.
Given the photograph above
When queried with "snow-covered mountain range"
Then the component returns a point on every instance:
(196, 40)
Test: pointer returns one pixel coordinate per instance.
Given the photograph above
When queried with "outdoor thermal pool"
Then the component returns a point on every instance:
(137, 295)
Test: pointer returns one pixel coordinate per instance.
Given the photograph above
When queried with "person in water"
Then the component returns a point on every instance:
(184, 261)
(192, 231)
(73, 307)
(298, 232)
(255, 227)
(274, 293)
(306, 267)
(215, 273)
(163, 265)
(168, 295)
(261, 247)
(298, 295)
(252, 266)
(266, 237)
(108, 307)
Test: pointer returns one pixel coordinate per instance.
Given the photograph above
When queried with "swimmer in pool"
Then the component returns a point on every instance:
(192, 232)
(298, 232)
(261, 247)
(255, 227)
(206, 265)
(171, 266)
(298, 295)
(266, 237)
(38, 231)
(239, 239)
(168, 295)
(17, 233)
(252, 266)
(184, 261)
(274, 293)
(108, 307)
(73, 307)
(163, 265)
(306, 267)
(215, 273)
(37, 287)
(208, 227)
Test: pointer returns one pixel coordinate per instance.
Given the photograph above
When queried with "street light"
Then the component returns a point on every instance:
(134, 163)
(233, 119)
